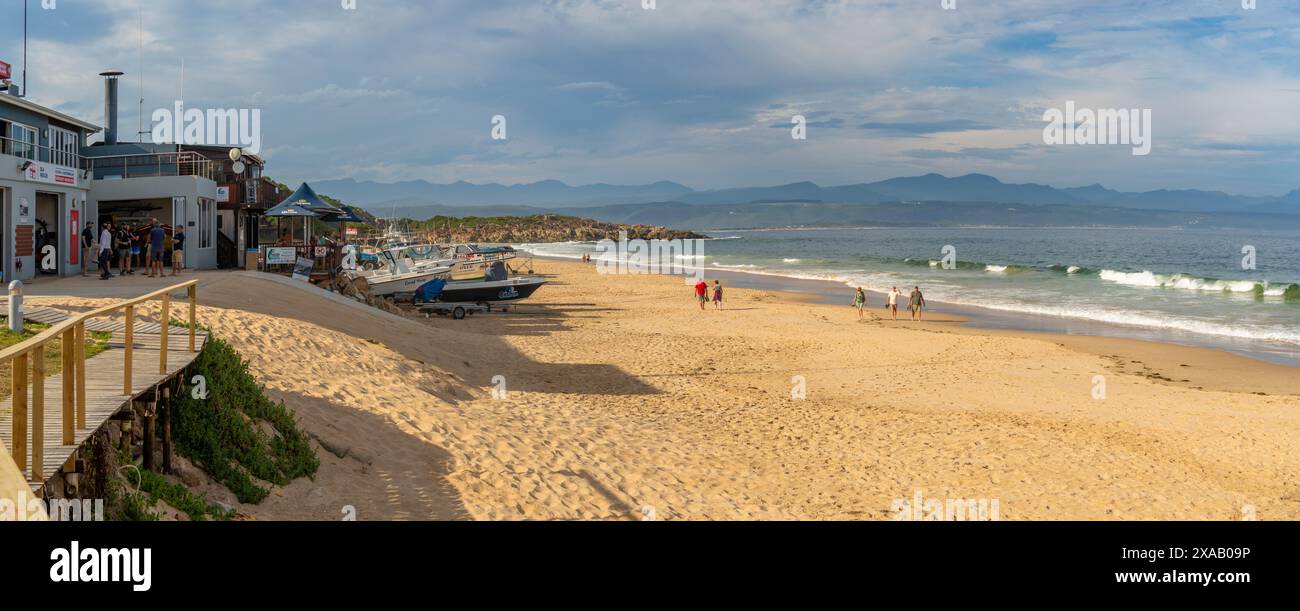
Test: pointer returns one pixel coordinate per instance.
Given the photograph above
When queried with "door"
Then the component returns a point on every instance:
(6, 233)
(178, 213)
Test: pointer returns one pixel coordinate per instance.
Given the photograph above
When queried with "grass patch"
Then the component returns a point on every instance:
(221, 434)
(96, 342)
(129, 505)
(157, 487)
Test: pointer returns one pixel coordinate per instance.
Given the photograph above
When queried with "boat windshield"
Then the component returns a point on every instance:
(419, 252)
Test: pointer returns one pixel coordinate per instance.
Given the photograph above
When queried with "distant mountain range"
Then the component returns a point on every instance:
(930, 187)
(929, 200)
(376, 195)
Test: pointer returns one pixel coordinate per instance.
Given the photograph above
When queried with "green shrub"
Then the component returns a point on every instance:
(219, 432)
(196, 507)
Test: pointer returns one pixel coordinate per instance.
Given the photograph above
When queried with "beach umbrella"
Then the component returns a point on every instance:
(305, 197)
(290, 209)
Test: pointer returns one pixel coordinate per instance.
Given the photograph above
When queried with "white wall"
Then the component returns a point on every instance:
(192, 188)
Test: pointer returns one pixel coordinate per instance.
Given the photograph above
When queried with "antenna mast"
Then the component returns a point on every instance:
(24, 91)
(141, 134)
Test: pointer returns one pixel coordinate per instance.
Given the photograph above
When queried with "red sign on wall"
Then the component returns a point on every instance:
(74, 237)
(4, 70)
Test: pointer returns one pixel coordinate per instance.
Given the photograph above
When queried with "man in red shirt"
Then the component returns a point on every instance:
(702, 293)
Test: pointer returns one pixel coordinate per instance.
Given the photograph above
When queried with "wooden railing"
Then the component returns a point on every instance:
(72, 332)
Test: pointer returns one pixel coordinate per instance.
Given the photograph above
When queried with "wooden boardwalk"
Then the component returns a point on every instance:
(104, 384)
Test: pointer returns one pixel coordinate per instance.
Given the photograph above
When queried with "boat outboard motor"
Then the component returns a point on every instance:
(497, 272)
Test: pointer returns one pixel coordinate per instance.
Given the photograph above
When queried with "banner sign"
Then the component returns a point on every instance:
(4, 70)
(52, 174)
(302, 269)
(223, 194)
(281, 256)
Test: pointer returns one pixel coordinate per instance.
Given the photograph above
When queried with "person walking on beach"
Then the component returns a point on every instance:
(178, 251)
(918, 303)
(717, 294)
(893, 301)
(702, 293)
(860, 302)
(157, 242)
(87, 247)
(106, 251)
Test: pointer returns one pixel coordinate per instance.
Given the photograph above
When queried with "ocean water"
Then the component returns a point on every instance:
(1185, 285)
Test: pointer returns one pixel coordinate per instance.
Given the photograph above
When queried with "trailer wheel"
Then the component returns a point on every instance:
(458, 313)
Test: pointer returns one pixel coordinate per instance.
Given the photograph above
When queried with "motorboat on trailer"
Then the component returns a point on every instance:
(497, 287)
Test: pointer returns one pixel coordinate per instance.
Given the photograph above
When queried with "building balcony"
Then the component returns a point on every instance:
(20, 160)
(118, 167)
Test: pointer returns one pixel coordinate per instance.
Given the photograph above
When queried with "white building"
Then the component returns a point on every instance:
(44, 189)
(52, 184)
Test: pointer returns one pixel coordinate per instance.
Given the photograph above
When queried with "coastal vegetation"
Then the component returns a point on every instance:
(142, 489)
(228, 427)
(538, 228)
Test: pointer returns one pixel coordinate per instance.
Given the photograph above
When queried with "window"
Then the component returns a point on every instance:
(24, 141)
(65, 147)
(205, 223)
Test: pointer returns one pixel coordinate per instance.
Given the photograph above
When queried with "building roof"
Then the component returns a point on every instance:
(28, 105)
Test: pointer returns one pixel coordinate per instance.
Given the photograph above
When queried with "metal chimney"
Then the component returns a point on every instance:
(110, 106)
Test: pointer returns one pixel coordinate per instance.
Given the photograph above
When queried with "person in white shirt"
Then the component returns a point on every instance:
(893, 301)
(105, 251)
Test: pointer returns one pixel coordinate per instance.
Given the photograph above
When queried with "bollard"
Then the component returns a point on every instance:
(16, 306)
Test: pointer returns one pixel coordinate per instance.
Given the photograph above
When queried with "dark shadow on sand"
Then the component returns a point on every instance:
(405, 477)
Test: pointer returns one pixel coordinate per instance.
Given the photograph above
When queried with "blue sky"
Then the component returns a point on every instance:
(701, 92)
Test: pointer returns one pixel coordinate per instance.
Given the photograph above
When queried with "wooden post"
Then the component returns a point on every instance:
(130, 350)
(194, 324)
(19, 393)
(167, 429)
(69, 393)
(150, 409)
(166, 323)
(80, 358)
(38, 413)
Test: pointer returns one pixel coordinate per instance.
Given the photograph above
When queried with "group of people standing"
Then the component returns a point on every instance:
(144, 244)
(916, 303)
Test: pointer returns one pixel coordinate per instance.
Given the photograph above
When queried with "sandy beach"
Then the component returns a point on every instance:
(623, 401)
